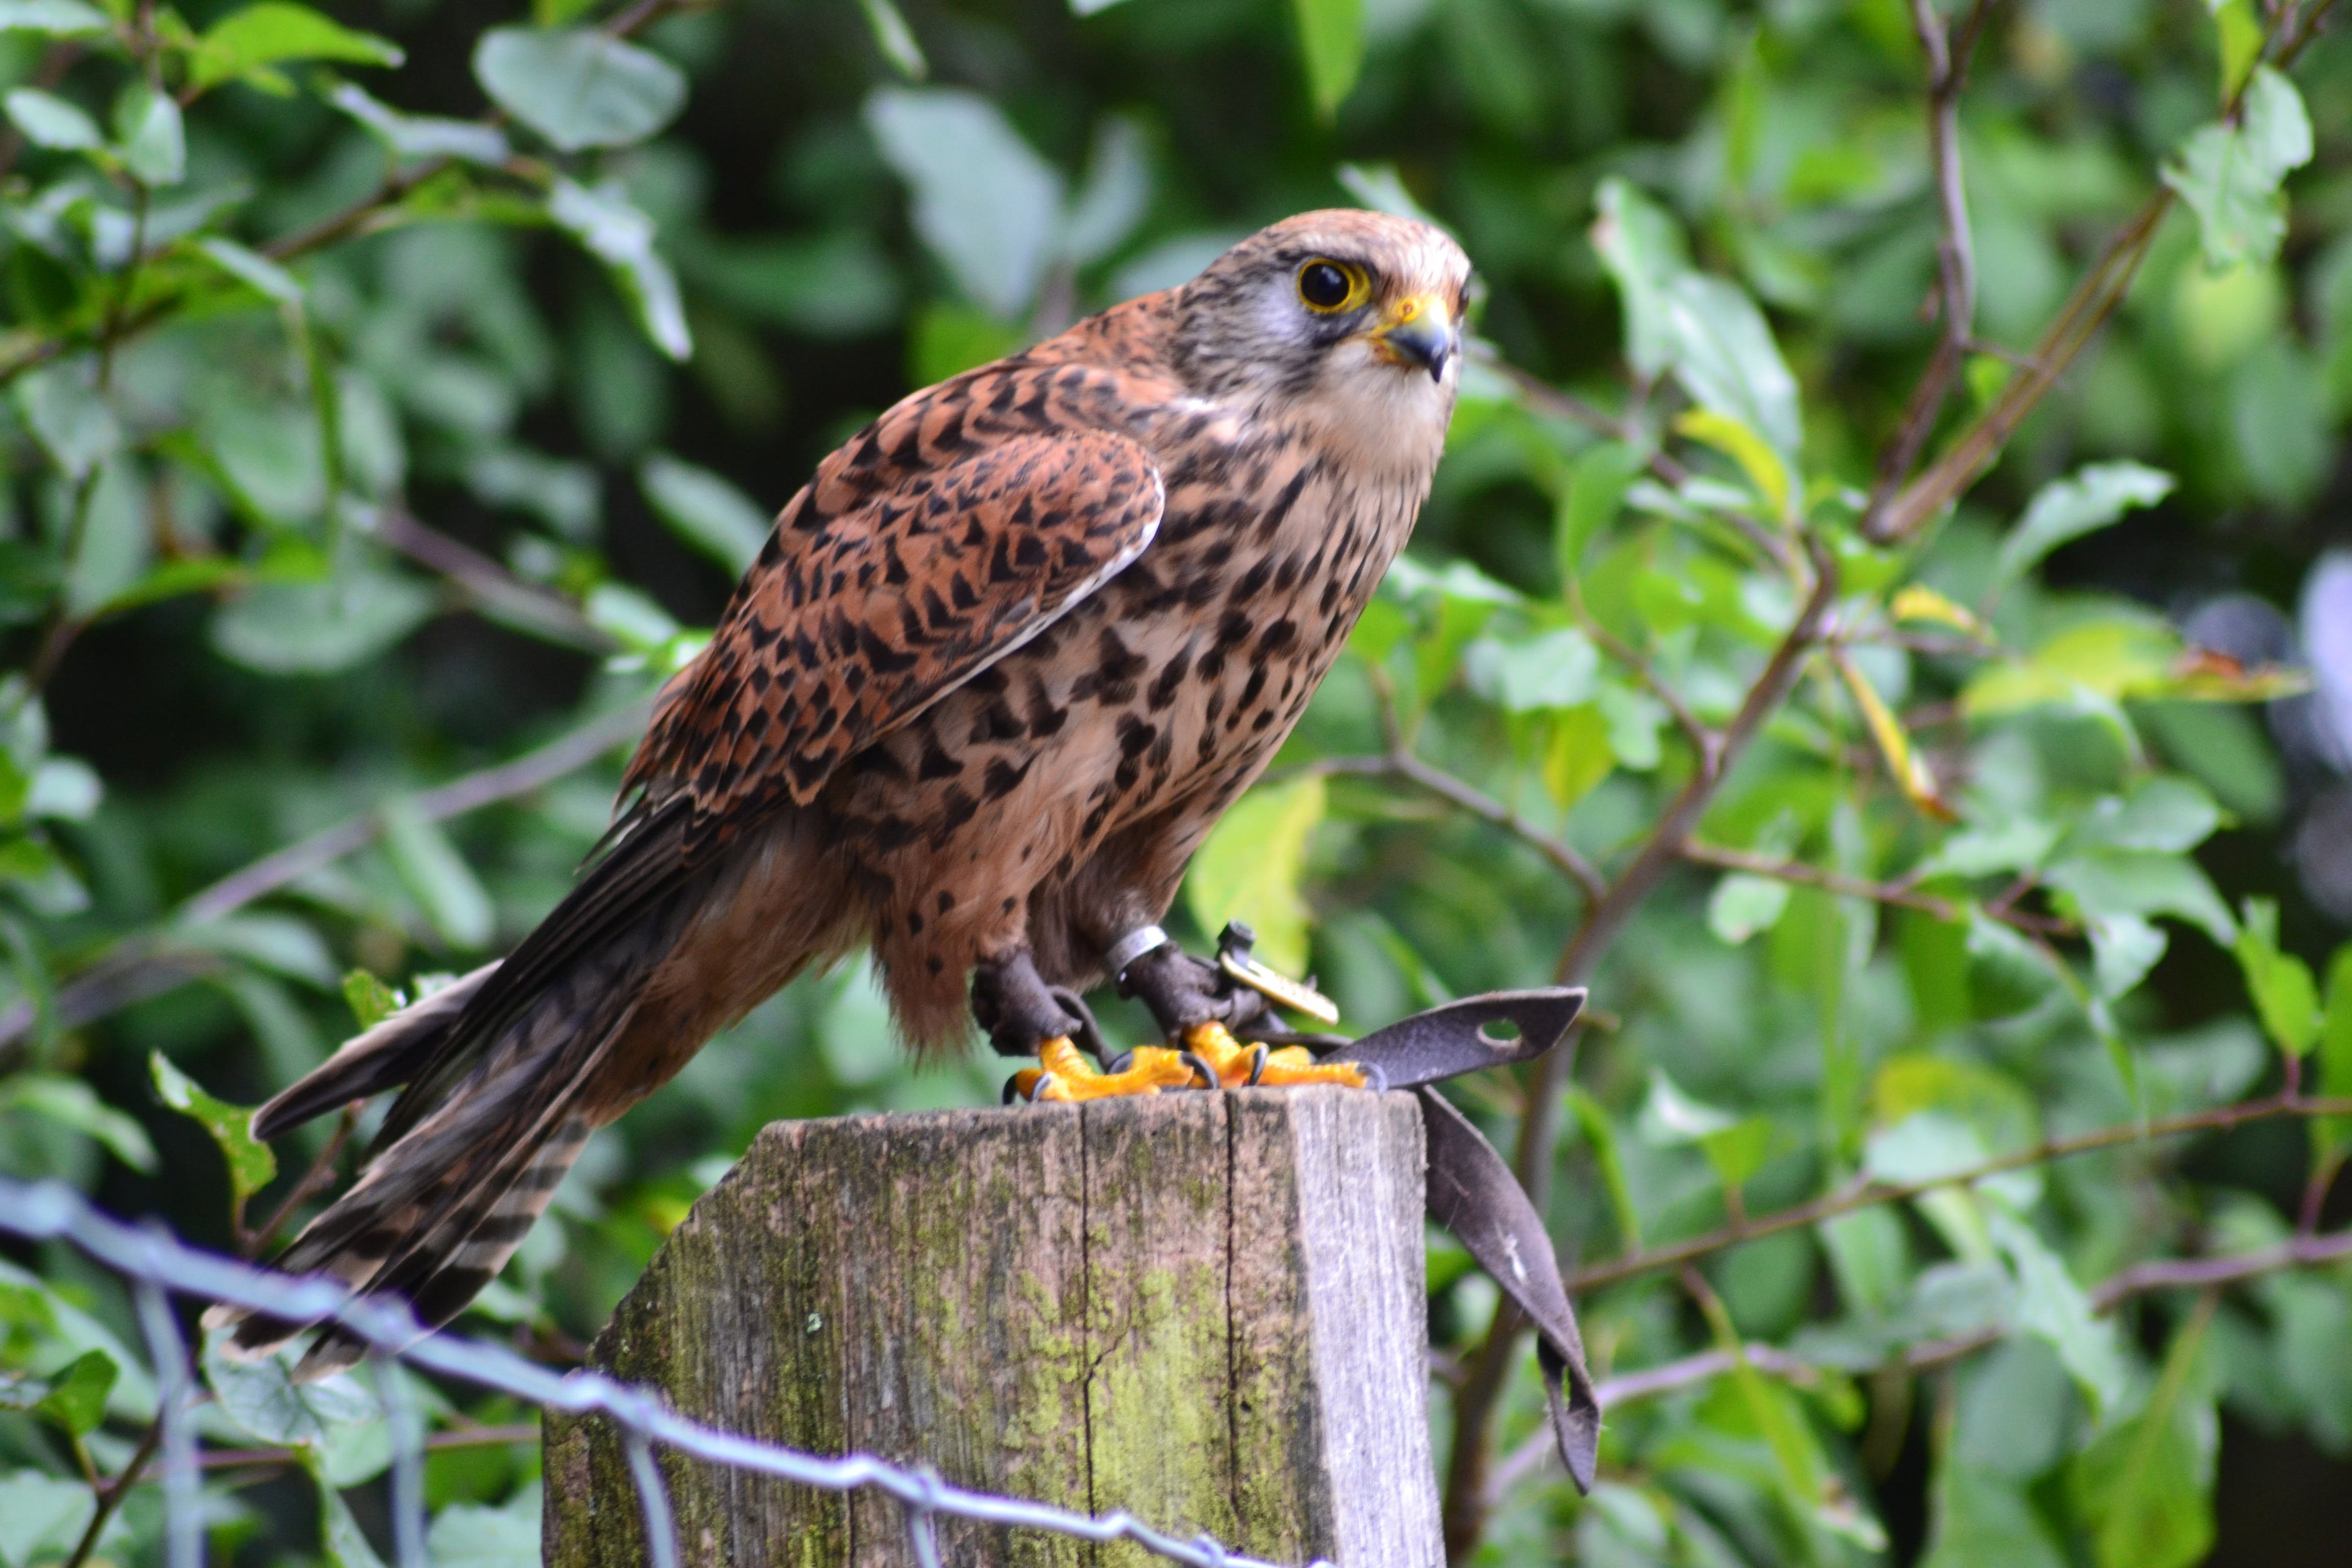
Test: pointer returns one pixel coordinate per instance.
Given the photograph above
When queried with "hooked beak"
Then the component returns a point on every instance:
(1418, 332)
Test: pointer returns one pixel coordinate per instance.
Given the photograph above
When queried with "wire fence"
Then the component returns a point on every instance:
(160, 1266)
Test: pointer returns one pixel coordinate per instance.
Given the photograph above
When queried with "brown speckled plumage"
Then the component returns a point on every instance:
(1003, 662)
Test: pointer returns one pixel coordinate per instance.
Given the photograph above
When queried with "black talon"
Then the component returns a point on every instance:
(1088, 1034)
(1120, 1064)
(1376, 1077)
(1011, 1091)
(1200, 1064)
(1258, 1063)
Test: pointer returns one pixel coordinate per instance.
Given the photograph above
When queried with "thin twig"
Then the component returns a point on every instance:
(1705, 741)
(1894, 893)
(1403, 765)
(470, 1437)
(1865, 1193)
(110, 1496)
(496, 592)
(320, 1175)
(2183, 1273)
(1947, 71)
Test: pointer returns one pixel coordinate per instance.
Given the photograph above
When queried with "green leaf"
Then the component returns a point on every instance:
(73, 1103)
(2106, 883)
(41, 1517)
(896, 39)
(1331, 37)
(2335, 1049)
(247, 43)
(251, 1165)
(422, 136)
(283, 945)
(2145, 1485)
(2091, 499)
(437, 877)
(78, 1391)
(1111, 200)
(2013, 1408)
(48, 121)
(2050, 1306)
(1634, 718)
(2285, 997)
(1736, 1146)
(1594, 1118)
(2164, 814)
(149, 137)
(1723, 355)
(272, 282)
(578, 87)
(1252, 865)
(1643, 247)
(466, 1535)
(370, 999)
(2241, 37)
(1985, 1521)
(341, 1540)
(1870, 1257)
(1743, 904)
(317, 628)
(1596, 490)
(1554, 670)
(57, 18)
(2229, 174)
(2124, 948)
(1576, 754)
(621, 237)
(705, 511)
(73, 424)
(262, 1398)
(986, 204)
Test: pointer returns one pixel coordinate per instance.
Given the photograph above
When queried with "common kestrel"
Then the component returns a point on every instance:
(1001, 666)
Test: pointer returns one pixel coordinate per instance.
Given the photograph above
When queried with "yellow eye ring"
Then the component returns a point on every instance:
(1327, 287)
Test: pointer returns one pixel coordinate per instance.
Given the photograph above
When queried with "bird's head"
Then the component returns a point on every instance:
(1350, 320)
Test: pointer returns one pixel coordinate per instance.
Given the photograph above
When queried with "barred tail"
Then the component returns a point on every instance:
(503, 1090)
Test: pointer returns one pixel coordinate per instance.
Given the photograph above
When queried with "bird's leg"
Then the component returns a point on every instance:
(1017, 1008)
(1198, 1004)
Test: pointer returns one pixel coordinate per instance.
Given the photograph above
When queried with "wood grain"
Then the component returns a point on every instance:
(1204, 1309)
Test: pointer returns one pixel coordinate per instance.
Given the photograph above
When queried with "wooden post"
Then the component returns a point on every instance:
(1206, 1309)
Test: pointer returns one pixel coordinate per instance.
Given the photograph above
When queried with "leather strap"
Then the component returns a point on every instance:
(1474, 1194)
(1446, 1042)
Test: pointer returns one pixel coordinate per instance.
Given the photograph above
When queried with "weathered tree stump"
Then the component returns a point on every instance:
(1204, 1309)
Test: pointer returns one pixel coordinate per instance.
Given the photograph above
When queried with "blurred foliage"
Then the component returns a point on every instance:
(390, 396)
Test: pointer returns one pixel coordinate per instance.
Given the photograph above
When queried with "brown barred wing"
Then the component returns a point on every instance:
(850, 625)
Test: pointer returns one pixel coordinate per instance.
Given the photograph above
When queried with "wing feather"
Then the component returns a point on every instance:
(950, 533)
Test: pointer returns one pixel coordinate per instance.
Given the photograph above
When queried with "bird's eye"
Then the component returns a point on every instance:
(1329, 285)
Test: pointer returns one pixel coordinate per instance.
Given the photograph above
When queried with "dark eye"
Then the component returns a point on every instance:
(1325, 285)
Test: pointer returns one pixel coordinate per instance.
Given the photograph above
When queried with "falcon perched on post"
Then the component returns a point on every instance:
(1001, 666)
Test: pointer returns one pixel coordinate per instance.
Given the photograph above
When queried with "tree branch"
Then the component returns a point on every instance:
(1895, 893)
(498, 592)
(1604, 920)
(1435, 781)
(1956, 266)
(2182, 1273)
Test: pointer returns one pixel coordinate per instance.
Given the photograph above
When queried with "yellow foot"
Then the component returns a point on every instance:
(1065, 1073)
(1236, 1064)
